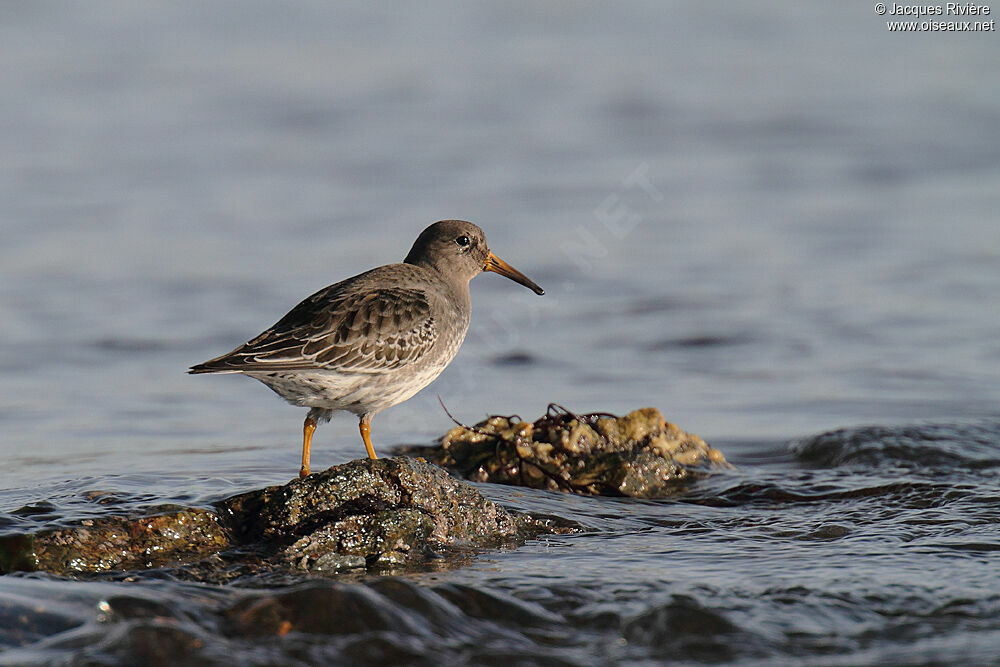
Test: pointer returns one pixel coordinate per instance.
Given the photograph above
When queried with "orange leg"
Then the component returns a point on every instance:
(308, 428)
(366, 435)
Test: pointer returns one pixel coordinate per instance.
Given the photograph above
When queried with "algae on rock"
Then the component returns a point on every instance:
(639, 455)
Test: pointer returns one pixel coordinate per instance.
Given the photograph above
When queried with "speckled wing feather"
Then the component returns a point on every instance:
(351, 331)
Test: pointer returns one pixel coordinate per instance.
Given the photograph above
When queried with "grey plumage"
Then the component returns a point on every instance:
(374, 340)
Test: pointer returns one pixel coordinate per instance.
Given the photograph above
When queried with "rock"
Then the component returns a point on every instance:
(639, 455)
(376, 514)
(116, 543)
(383, 512)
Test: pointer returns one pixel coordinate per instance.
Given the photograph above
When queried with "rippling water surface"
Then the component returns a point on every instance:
(770, 222)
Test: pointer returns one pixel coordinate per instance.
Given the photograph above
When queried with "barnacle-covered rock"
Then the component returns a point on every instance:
(640, 455)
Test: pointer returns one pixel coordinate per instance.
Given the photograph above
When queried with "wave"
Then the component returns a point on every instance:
(973, 446)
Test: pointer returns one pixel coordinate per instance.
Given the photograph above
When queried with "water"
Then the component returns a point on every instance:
(767, 221)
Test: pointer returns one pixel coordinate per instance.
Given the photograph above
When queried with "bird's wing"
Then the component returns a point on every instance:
(352, 331)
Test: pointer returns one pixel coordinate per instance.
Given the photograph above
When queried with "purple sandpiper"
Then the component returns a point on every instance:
(372, 341)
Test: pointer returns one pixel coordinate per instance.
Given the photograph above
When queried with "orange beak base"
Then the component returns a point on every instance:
(497, 265)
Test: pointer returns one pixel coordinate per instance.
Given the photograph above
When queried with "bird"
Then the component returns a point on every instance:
(372, 341)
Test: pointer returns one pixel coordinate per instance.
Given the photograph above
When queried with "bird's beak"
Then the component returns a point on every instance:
(497, 265)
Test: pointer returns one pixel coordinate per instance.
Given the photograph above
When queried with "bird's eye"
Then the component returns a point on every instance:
(463, 241)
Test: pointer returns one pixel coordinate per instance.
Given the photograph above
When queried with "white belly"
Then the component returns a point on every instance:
(359, 393)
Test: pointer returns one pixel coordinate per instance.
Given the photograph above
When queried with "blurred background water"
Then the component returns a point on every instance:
(767, 220)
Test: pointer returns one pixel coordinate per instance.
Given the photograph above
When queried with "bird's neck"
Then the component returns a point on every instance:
(458, 287)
